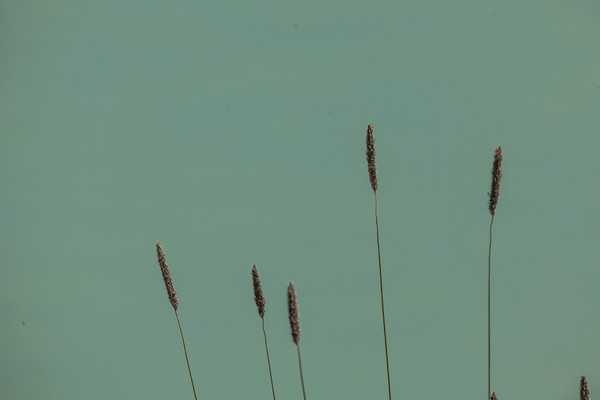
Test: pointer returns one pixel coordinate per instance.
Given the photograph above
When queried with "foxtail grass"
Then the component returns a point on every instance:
(164, 268)
(259, 299)
(372, 169)
(585, 390)
(493, 202)
(295, 327)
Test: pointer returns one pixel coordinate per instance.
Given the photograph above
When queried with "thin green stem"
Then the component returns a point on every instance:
(489, 311)
(186, 356)
(301, 375)
(387, 362)
(268, 359)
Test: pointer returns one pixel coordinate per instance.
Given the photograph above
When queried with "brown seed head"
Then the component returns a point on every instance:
(164, 268)
(496, 175)
(371, 157)
(259, 298)
(585, 390)
(293, 313)
(493, 396)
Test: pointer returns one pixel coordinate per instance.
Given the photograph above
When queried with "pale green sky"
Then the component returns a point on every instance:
(233, 132)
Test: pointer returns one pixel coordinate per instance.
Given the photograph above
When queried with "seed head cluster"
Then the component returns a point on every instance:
(293, 313)
(164, 268)
(259, 297)
(371, 157)
(585, 390)
(496, 175)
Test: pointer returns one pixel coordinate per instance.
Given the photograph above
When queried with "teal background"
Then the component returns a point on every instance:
(233, 132)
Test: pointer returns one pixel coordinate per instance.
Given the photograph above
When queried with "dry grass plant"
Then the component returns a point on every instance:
(493, 194)
(259, 299)
(372, 169)
(164, 268)
(295, 327)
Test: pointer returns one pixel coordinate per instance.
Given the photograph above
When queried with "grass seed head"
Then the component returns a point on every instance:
(164, 268)
(371, 157)
(496, 175)
(293, 313)
(259, 297)
(585, 390)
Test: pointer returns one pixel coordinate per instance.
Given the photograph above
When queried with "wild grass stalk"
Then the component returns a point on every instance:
(493, 202)
(260, 301)
(372, 168)
(164, 268)
(295, 327)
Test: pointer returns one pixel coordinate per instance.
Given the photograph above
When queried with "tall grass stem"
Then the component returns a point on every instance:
(268, 359)
(301, 374)
(387, 362)
(494, 193)
(186, 356)
(489, 309)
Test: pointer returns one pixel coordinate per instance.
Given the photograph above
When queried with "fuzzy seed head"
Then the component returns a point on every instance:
(496, 175)
(164, 268)
(259, 297)
(371, 157)
(585, 390)
(293, 313)
(493, 396)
